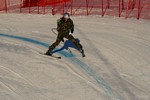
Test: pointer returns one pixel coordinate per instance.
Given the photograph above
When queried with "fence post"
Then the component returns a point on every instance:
(53, 9)
(71, 6)
(119, 8)
(133, 4)
(87, 12)
(6, 6)
(139, 9)
(108, 4)
(127, 9)
(20, 6)
(45, 5)
(122, 5)
(29, 5)
(63, 8)
(102, 8)
(38, 8)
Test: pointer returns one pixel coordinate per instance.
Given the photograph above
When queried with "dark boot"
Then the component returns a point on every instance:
(82, 52)
(49, 51)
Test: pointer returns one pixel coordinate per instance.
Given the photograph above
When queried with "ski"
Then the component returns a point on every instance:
(57, 57)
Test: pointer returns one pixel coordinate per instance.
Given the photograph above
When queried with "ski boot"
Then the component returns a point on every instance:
(48, 53)
(82, 52)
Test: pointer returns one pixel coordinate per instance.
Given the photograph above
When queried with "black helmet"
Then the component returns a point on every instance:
(66, 15)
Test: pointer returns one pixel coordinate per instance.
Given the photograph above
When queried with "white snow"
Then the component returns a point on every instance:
(116, 66)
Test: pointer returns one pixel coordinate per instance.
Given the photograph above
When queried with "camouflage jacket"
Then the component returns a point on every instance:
(64, 27)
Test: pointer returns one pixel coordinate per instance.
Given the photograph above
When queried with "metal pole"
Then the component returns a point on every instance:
(20, 6)
(29, 5)
(45, 5)
(108, 4)
(139, 9)
(119, 8)
(87, 12)
(71, 6)
(122, 5)
(127, 9)
(38, 7)
(63, 7)
(102, 8)
(6, 6)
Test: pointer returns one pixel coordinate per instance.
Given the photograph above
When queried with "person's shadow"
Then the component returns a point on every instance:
(67, 44)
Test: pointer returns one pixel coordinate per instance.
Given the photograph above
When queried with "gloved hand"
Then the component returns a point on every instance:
(70, 32)
(62, 40)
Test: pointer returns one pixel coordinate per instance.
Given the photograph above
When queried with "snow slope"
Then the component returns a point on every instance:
(116, 66)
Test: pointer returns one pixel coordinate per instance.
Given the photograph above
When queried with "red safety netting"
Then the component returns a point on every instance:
(31, 3)
(3, 5)
(119, 8)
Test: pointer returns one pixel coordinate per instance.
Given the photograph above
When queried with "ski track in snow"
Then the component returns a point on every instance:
(122, 83)
(110, 68)
(24, 81)
(89, 71)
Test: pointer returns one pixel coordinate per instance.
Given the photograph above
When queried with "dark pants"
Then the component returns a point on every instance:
(60, 38)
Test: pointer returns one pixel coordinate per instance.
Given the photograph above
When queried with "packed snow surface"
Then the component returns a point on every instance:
(116, 66)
